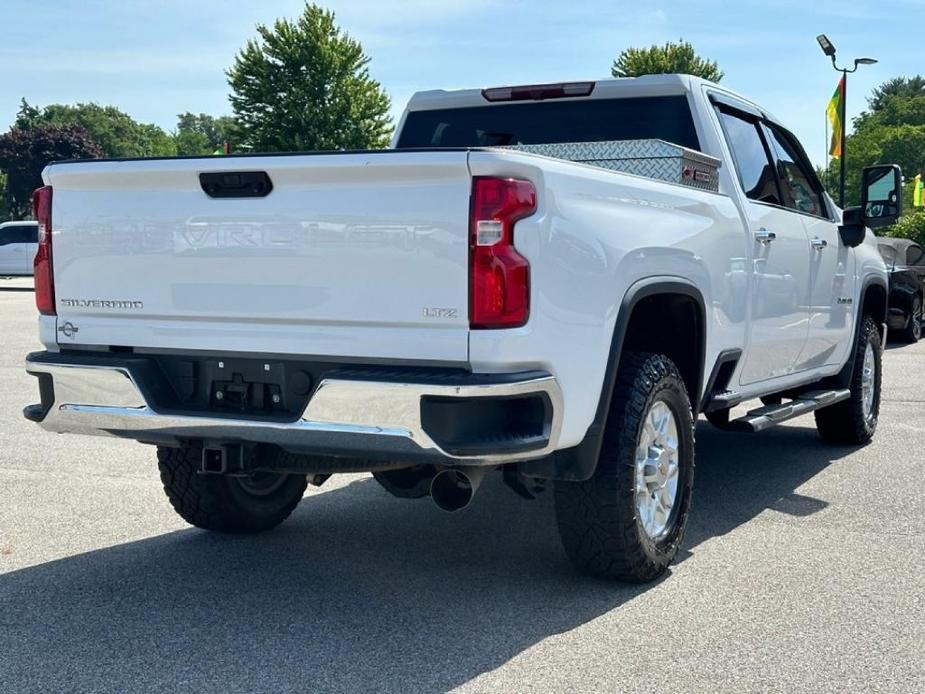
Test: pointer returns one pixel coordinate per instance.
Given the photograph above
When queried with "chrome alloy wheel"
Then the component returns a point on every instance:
(916, 319)
(868, 381)
(657, 470)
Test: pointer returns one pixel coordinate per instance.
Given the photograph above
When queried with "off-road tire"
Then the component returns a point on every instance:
(845, 422)
(598, 522)
(913, 330)
(223, 503)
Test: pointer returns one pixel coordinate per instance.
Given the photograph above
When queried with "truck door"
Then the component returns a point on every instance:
(831, 293)
(779, 264)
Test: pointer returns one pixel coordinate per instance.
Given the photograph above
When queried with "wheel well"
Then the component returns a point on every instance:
(673, 325)
(874, 303)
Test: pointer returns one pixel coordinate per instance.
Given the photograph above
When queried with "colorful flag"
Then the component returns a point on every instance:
(834, 111)
(917, 191)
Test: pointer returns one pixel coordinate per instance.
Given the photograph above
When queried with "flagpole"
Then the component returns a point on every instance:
(826, 159)
(844, 126)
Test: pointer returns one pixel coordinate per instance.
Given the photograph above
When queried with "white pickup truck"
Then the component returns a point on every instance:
(461, 303)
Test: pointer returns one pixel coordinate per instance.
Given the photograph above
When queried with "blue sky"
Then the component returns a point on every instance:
(157, 59)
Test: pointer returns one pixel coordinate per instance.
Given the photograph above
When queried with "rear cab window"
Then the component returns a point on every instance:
(553, 121)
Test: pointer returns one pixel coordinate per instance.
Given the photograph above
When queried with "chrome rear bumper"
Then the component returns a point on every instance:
(344, 416)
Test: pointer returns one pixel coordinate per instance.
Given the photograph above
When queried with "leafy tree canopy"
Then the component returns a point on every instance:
(204, 134)
(898, 86)
(891, 132)
(117, 133)
(909, 226)
(24, 152)
(305, 85)
(4, 201)
(671, 58)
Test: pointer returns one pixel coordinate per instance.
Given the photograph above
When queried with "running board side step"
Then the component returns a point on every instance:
(771, 415)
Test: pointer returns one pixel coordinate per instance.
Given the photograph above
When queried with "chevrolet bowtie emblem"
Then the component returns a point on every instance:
(68, 329)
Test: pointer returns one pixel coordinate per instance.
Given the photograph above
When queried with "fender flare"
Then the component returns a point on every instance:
(843, 378)
(579, 462)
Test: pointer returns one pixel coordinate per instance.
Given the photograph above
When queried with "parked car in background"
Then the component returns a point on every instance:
(18, 244)
(905, 261)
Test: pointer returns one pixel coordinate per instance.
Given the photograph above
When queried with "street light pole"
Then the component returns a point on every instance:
(829, 49)
(844, 128)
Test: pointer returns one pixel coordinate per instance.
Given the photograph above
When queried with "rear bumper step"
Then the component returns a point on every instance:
(477, 418)
(771, 415)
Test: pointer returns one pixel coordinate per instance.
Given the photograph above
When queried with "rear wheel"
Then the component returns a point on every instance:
(913, 330)
(627, 522)
(854, 421)
(224, 503)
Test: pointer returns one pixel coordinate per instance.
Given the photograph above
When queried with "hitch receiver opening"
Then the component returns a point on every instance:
(222, 460)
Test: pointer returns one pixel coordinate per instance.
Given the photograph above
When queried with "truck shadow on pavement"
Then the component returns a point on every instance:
(357, 591)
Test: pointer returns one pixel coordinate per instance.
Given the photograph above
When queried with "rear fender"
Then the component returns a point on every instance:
(580, 462)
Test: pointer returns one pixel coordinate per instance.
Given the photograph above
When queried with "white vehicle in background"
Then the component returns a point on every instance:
(552, 281)
(18, 245)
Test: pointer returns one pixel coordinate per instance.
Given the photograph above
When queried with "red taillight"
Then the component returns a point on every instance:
(499, 277)
(44, 280)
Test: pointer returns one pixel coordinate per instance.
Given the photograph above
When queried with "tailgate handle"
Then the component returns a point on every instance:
(236, 184)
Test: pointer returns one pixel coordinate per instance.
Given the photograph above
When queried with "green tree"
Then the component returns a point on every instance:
(668, 59)
(203, 134)
(24, 152)
(115, 131)
(909, 226)
(904, 87)
(4, 202)
(305, 85)
(891, 132)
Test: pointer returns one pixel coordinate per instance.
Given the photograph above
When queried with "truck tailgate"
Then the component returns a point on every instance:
(350, 255)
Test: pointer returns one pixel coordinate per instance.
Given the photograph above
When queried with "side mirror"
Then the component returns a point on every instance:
(881, 195)
(853, 229)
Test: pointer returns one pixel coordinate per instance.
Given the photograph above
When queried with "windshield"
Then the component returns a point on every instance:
(888, 253)
(550, 122)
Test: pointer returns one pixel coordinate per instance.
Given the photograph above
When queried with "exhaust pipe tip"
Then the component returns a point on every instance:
(452, 490)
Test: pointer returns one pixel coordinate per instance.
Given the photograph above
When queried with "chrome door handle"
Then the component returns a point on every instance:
(764, 236)
(819, 244)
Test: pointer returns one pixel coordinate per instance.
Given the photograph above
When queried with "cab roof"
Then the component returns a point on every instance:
(621, 87)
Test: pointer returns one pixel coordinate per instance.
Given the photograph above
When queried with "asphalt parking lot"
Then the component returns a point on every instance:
(803, 570)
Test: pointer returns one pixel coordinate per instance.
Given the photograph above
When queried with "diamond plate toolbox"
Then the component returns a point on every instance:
(650, 158)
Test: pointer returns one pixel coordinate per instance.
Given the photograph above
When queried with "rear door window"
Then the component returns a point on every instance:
(753, 165)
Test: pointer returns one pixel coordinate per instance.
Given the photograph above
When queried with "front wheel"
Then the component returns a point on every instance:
(854, 421)
(223, 503)
(627, 522)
